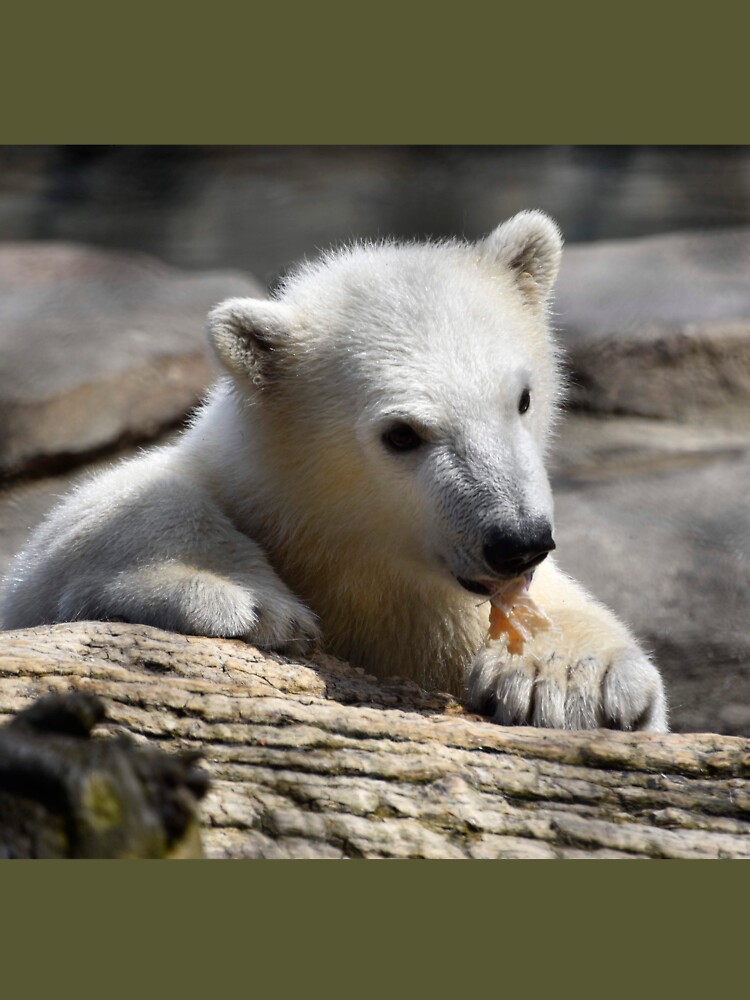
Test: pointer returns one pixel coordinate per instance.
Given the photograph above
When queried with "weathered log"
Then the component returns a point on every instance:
(321, 760)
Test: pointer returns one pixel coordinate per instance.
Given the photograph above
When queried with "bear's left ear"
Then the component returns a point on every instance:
(530, 246)
(251, 337)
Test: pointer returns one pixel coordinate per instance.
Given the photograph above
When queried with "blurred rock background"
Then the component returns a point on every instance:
(111, 256)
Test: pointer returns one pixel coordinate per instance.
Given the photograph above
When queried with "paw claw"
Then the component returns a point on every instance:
(623, 691)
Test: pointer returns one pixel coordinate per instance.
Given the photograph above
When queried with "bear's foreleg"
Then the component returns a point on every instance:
(145, 545)
(585, 671)
(253, 606)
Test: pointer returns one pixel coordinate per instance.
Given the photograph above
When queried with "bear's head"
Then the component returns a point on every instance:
(407, 393)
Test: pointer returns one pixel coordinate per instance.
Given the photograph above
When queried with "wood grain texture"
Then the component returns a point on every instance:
(320, 760)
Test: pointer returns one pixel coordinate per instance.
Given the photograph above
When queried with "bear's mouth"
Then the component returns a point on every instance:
(475, 586)
(488, 588)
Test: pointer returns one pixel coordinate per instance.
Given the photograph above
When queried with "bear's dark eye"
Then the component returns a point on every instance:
(525, 401)
(401, 437)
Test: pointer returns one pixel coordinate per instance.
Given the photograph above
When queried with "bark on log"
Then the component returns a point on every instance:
(321, 760)
(66, 794)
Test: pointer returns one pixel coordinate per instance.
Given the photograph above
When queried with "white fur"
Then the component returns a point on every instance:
(280, 517)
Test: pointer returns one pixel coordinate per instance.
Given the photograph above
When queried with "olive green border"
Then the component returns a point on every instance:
(392, 73)
(342, 928)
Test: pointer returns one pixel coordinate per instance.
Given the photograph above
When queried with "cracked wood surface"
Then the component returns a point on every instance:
(321, 760)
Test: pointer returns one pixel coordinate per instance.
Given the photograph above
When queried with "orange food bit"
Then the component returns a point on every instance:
(501, 624)
(516, 616)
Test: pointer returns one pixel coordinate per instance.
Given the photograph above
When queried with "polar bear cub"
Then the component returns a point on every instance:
(368, 470)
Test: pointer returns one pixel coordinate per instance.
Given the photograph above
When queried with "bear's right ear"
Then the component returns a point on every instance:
(529, 246)
(249, 337)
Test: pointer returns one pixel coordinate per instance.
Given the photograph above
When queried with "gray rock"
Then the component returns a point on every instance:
(652, 508)
(659, 326)
(97, 348)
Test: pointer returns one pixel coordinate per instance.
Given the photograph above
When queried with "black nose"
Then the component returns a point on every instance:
(511, 553)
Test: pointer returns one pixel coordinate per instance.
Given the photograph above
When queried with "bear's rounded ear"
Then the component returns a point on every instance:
(529, 245)
(249, 337)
